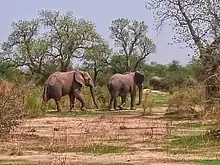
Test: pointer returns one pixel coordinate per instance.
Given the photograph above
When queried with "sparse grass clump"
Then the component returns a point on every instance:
(73, 113)
(119, 164)
(201, 144)
(159, 99)
(208, 162)
(96, 149)
(13, 162)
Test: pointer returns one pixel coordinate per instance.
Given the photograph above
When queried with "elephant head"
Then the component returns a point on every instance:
(83, 78)
(139, 79)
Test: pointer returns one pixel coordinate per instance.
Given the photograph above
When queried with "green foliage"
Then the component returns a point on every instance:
(8, 71)
(103, 96)
(208, 162)
(133, 44)
(64, 39)
(187, 144)
(34, 106)
(197, 26)
(96, 60)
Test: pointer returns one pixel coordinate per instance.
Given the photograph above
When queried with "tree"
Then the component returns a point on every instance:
(69, 36)
(196, 23)
(49, 43)
(24, 47)
(118, 63)
(96, 59)
(131, 40)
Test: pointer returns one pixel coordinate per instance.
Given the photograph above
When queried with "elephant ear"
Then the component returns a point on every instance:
(79, 77)
(139, 78)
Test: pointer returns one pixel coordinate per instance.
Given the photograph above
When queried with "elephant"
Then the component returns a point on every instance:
(158, 83)
(122, 84)
(68, 83)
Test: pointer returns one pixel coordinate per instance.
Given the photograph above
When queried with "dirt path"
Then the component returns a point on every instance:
(35, 139)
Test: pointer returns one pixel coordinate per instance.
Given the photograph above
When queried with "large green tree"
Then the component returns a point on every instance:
(70, 36)
(133, 45)
(50, 42)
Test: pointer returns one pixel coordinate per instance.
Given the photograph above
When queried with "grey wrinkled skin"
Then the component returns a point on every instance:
(68, 83)
(158, 83)
(121, 85)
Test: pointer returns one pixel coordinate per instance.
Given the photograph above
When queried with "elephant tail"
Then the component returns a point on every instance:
(109, 86)
(45, 93)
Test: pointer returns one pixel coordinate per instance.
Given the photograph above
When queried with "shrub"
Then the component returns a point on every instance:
(34, 106)
(186, 97)
(11, 108)
(184, 102)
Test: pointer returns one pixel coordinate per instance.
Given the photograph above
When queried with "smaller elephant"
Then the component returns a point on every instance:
(121, 84)
(158, 83)
(68, 83)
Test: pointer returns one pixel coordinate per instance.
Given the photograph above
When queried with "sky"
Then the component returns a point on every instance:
(101, 12)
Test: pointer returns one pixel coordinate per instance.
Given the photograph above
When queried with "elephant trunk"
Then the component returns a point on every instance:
(93, 96)
(140, 87)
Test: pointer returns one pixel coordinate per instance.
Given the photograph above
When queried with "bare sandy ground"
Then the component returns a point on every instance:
(143, 133)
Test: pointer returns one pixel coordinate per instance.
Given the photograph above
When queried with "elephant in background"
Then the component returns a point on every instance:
(121, 84)
(158, 83)
(68, 83)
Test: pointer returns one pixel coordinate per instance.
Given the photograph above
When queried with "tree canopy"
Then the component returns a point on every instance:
(53, 41)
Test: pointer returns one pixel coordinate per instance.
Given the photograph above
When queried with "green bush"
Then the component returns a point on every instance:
(33, 106)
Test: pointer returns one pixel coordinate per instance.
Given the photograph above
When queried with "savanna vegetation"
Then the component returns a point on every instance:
(181, 120)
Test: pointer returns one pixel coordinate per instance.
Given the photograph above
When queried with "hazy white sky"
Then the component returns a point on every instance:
(101, 12)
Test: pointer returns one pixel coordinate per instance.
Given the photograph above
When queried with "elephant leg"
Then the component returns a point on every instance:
(58, 105)
(72, 101)
(80, 98)
(123, 101)
(115, 103)
(132, 100)
(111, 103)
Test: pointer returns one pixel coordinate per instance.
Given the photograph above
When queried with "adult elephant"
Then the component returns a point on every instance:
(158, 83)
(68, 83)
(121, 84)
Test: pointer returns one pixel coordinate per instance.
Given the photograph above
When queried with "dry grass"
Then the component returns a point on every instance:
(94, 137)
